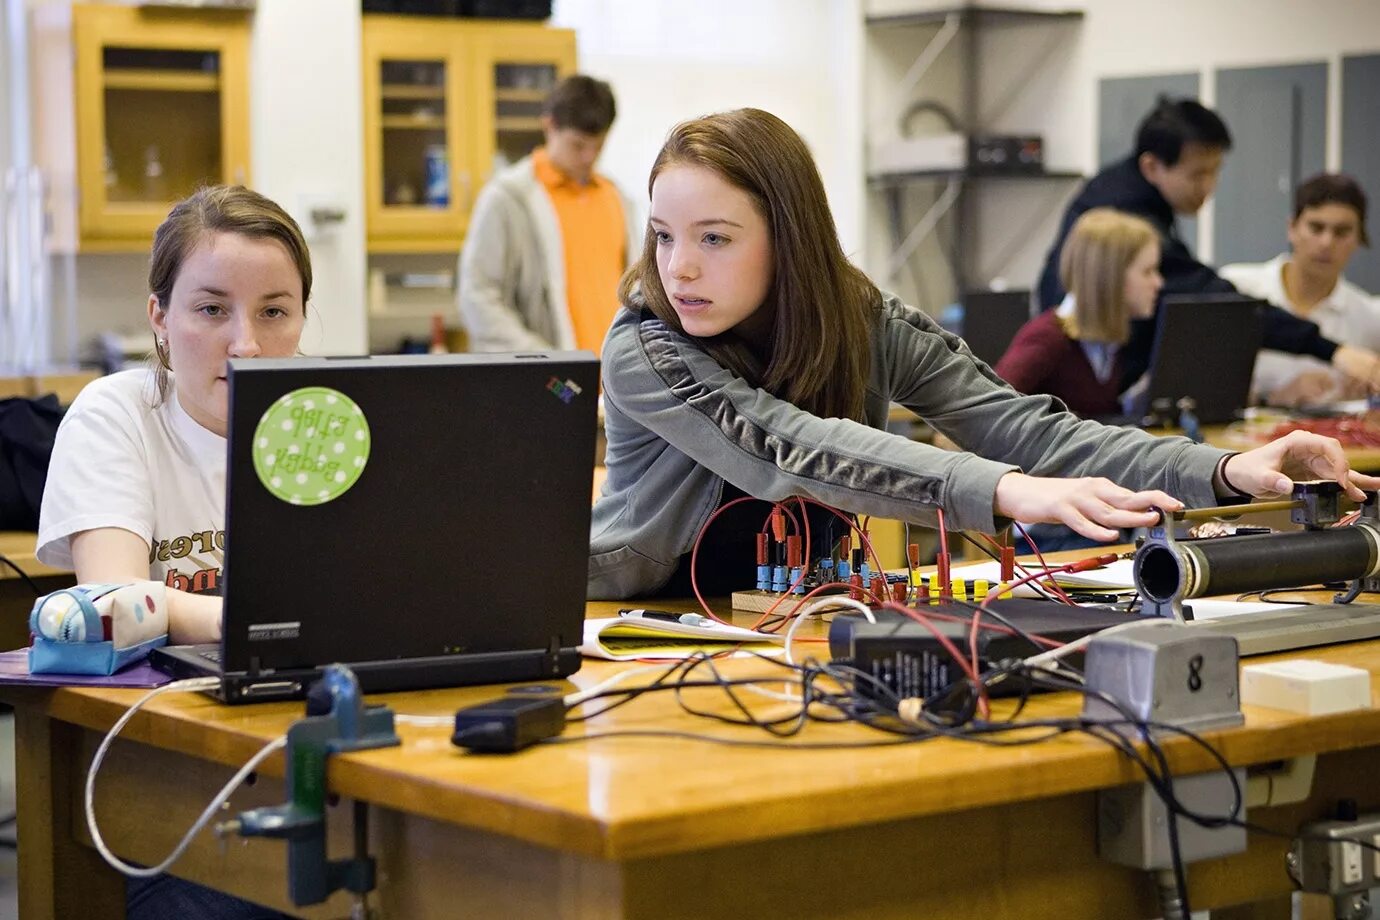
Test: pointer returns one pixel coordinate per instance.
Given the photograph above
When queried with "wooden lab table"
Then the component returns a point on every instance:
(655, 827)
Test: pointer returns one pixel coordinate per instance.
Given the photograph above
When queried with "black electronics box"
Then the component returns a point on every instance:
(1006, 154)
(908, 660)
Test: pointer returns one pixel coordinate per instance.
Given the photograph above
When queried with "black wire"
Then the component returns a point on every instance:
(33, 586)
(736, 742)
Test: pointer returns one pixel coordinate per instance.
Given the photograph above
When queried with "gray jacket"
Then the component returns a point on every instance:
(512, 267)
(679, 424)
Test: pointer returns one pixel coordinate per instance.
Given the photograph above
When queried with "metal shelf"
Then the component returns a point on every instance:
(979, 15)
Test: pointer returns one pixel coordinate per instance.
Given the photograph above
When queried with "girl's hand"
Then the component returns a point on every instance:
(1269, 471)
(1097, 508)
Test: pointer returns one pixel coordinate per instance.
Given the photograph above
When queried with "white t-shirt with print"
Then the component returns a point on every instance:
(120, 462)
(1348, 316)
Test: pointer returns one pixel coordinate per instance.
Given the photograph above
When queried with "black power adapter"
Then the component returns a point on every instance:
(908, 660)
(509, 723)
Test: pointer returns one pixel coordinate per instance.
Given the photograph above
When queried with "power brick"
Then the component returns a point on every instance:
(907, 659)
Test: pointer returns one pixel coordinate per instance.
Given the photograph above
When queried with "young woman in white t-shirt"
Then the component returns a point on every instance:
(136, 488)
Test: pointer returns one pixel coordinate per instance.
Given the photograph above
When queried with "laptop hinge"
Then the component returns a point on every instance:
(553, 655)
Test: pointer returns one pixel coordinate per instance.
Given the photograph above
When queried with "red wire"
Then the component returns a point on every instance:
(1053, 585)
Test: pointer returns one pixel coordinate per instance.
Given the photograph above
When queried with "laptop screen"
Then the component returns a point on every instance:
(1205, 348)
(406, 507)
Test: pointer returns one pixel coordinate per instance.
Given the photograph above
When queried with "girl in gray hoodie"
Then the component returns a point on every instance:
(750, 357)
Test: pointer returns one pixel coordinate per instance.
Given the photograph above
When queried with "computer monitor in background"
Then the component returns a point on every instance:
(991, 320)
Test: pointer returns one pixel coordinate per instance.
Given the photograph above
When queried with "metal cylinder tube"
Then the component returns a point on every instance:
(1259, 562)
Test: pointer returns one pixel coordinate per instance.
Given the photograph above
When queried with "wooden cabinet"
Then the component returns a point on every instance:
(445, 102)
(156, 105)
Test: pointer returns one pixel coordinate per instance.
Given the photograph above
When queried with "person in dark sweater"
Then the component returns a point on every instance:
(1174, 169)
(1110, 266)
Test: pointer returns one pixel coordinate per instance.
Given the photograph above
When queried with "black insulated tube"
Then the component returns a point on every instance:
(1259, 562)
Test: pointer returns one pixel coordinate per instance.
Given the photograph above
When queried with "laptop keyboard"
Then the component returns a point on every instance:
(1284, 630)
(210, 654)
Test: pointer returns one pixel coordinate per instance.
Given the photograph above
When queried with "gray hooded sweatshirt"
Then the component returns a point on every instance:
(679, 424)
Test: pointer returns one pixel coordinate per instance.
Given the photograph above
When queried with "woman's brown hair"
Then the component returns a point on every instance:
(1100, 248)
(822, 306)
(217, 209)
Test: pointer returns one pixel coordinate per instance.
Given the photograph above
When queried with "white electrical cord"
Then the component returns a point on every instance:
(194, 684)
(1079, 644)
(818, 606)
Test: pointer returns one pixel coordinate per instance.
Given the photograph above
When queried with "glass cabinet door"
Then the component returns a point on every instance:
(162, 115)
(162, 109)
(412, 117)
(415, 111)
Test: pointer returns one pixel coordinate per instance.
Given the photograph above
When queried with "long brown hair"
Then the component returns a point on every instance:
(1100, 249)
(217, 209)
(819, 352)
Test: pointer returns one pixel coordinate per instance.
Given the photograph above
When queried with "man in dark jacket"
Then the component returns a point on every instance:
(1174, 170)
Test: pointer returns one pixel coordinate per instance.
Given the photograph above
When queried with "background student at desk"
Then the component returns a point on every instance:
(1328, 223)
(1173, 170)
(1076, 352)
(750, 353)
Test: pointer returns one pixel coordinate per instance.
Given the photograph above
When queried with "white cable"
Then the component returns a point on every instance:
(575, 699)
(194, 684)
(816, 607)
(1079, 644)
(424, 721)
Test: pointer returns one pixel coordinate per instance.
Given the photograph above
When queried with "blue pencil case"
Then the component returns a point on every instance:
(97, 629)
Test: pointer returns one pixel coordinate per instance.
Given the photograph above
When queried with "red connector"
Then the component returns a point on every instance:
(793, 551)
(762, 558)
(1096, 562)
(778, 525)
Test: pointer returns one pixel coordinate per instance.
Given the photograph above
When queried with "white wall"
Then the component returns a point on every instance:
(307, 132)
(1122, 38)
(669, 60)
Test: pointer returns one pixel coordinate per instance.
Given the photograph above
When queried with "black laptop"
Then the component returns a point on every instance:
(1205, 348)
(423, 519)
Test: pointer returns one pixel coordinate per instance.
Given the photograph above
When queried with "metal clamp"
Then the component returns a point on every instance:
(301, 821)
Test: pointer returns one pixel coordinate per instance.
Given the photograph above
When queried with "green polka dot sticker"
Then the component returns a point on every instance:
(311, 446)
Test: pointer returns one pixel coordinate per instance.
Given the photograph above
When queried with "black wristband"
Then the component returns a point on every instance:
(1222, 472)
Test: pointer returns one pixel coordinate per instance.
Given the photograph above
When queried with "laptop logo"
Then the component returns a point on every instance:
(265, 632)
(565, 390)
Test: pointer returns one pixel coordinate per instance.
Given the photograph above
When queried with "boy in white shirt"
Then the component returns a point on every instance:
(1329, 222)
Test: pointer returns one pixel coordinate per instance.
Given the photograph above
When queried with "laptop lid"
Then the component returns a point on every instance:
(1205, 348)
(991, 320)
(412, 511)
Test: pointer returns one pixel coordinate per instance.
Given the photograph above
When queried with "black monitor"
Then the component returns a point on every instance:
(991, 320)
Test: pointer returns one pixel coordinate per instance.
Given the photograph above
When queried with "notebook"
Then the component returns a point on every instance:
(1205, 347)
(424, 519)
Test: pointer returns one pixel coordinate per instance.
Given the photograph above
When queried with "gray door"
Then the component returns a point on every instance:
(1278, 121)
(1361, 154)
(1122, 103)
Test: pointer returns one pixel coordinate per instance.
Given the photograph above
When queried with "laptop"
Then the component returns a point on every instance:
(423, 519)
(1205, 347)
(991, 320)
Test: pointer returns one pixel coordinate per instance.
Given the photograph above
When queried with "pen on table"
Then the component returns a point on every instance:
(689, 619)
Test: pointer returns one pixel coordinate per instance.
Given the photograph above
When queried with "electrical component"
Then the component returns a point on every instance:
(1163, 671)
(763, 565)
(907, 658)
(509, 723)
(1313, 688)
(1132, 821)
(1327, 857)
